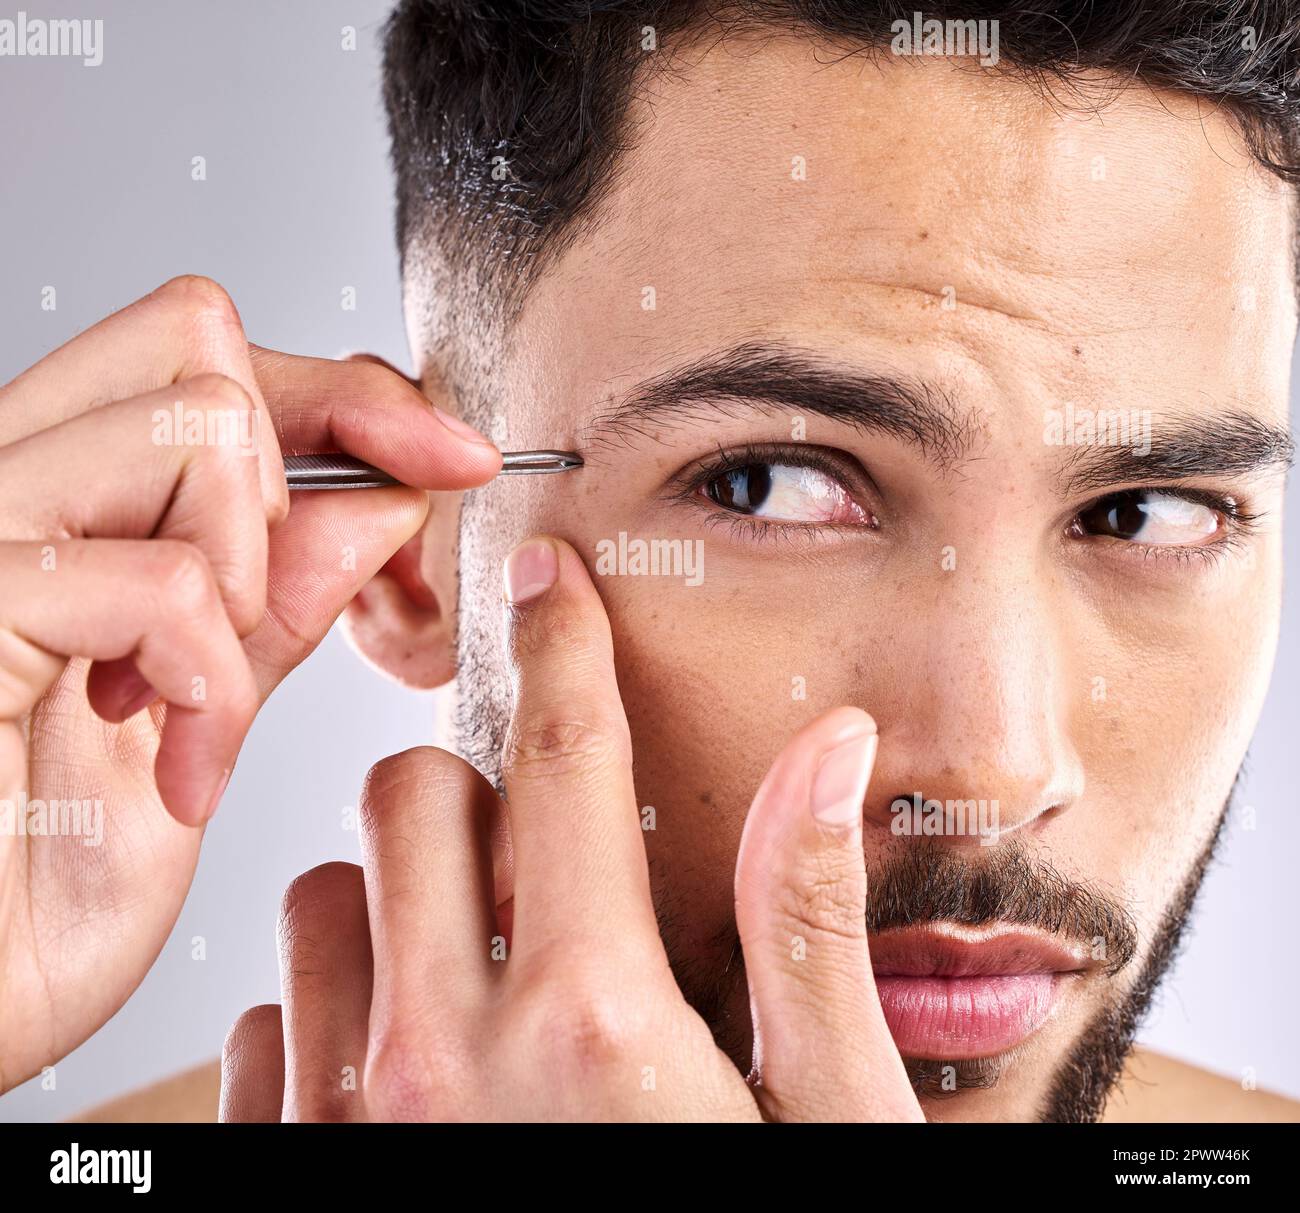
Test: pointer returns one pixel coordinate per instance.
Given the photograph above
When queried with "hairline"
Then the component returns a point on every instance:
(500, 301)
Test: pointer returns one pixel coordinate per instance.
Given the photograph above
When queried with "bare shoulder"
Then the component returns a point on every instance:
(187, 1098)
(1156, 1089)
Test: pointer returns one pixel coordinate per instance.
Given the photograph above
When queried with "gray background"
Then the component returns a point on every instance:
(97, 200)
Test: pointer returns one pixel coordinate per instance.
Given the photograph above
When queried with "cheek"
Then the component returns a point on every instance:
(1174, 695)
(715, 679)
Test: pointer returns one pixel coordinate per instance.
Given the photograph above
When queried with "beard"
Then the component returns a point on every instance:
(1085, 1080)
(921, 881)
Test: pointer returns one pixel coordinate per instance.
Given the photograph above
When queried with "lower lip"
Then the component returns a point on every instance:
(955, 1018)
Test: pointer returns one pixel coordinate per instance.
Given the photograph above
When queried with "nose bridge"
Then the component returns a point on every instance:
(986, 702)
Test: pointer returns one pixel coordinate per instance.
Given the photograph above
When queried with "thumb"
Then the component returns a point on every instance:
(328, 547)
(822, 1049)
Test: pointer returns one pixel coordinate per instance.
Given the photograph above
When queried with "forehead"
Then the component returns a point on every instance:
(923, 215)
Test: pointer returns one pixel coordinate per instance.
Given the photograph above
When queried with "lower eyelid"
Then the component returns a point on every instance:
(756, 530)
(1227, 544)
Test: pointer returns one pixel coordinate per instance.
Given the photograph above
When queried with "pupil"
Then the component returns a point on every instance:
(1121, 516)
(743, 488)
(1127, 516)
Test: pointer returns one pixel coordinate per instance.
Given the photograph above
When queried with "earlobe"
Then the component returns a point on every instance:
(399, 624)
(403, 621)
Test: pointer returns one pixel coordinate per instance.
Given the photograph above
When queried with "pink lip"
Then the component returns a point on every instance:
(950, 993)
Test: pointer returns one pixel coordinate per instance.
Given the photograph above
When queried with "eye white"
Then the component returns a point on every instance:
(801, 494)
(1174, 520)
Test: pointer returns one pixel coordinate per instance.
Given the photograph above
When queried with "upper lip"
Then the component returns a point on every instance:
(945, 949)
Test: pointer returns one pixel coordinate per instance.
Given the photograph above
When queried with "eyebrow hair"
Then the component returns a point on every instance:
(1219, 444)
(779, 378)
(775, 377)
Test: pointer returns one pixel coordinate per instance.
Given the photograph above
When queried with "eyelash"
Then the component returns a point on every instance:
(686, 487)
(1238, 527)
(1239, 524)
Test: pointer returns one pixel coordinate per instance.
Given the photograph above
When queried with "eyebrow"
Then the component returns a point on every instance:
(1225, 443)
(778, 378)
(782, 379)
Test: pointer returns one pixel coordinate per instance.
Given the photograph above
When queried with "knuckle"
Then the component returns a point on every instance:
(183, 576)
(826, 894)
(375, 380)
(548, 631)
(200, 299)
(377, 389)
(583, 1025)
(411, 1077)
(214, 392)
(550, 745)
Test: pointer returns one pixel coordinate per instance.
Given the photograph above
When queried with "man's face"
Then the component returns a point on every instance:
(945, 553)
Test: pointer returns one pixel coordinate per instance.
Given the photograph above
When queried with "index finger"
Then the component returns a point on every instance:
(188, 327)
(580, 864)
(364, 408)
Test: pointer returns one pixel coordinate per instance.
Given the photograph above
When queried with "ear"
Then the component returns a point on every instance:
(403, 621)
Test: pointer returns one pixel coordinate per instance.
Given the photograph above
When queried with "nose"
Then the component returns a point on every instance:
(977, 742)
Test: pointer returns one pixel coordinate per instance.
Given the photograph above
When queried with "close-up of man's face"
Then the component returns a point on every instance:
(648, 562)
(966, 401)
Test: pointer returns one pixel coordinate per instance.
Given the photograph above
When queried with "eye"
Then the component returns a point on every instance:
(784, 492)
(1154, 518)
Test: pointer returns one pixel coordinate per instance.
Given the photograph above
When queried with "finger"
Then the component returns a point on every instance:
(252, 1068)
(156, 602)
(425, 817)
(199, 487)
(188, 327)
(822, 1049)
(330, 545)
(325, 977)
(365, 409)
(116, 690)
(580, 864)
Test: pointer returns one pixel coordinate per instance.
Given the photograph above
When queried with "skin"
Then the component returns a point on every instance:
(1136, 290)
(1153, 1090)
(1057, 277)
(565, 1008)
(121, 591)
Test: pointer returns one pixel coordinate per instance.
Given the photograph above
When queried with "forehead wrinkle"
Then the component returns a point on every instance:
(776, 378)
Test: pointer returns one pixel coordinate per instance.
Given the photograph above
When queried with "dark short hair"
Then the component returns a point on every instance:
(507, 116)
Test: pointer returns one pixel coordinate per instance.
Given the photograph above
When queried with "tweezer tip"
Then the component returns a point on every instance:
(541, 461)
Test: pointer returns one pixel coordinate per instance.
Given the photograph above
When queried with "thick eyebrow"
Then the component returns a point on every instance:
(785, 379)
(1216, 444)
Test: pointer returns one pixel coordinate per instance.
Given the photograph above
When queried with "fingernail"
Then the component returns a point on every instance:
(467, 433)
(530, 570)
(841, 780)
(217, 795)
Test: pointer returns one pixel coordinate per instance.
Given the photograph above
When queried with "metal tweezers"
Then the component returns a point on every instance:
(344, 472)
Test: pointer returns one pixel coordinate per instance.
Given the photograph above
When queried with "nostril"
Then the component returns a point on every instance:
(915, 815)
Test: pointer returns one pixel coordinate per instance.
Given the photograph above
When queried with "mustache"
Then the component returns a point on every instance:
(925, 882)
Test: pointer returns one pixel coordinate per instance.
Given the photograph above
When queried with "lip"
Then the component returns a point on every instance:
(950, 993)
